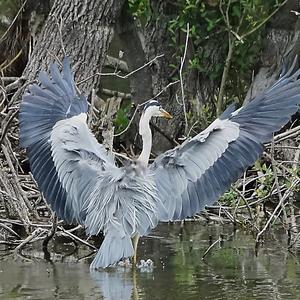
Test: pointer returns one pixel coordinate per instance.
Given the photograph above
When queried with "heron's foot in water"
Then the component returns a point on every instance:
(146, 266)
(125, 263)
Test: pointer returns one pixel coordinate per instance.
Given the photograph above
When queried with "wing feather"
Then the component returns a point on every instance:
(97, 190)
(216, 157)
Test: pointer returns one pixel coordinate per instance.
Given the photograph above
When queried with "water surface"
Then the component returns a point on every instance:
(230, 271)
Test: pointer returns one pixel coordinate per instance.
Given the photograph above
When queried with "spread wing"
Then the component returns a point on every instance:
(41, 108)
(78, 177)
(199, 171)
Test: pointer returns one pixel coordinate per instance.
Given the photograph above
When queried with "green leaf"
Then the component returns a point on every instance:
(236, 11)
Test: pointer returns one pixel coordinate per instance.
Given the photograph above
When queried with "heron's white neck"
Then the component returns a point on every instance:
(145, 132)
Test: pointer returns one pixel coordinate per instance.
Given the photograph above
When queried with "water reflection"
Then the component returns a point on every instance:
(231, 270)
(115, 285)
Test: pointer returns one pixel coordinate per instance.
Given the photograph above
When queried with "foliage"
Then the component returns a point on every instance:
(229, 198)
(266, 179)
(139, 8)
(121, 121)
(211, 23)
(264, 182)
(215, 26)
(200, 115)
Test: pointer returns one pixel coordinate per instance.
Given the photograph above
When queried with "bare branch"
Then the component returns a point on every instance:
(13, 21)
(122, 76)
(182, 60)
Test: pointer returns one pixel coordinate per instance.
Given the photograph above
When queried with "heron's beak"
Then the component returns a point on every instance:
(165, 114)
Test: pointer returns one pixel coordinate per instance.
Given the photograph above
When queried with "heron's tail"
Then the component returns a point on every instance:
(44, 105)
(113, 249)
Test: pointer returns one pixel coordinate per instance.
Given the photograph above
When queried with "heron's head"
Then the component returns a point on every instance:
(154, 109)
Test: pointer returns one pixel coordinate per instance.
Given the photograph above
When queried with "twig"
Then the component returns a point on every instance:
(293, 231)
(114, 62)
(91, 108)
(9, 79)
(10, 221)
(6, 125)
(122, 155)
(9, 230)
(163, 133)
(232, 37)
(264, 21)
(284, 147)
(19, 92)
(279, 205)
(25, 203)
(211, 246)
(15, 84)
(130, 121)
(288, 134)
(117, 73)
(112, 93)
(75, 228)
(34, 234)
(13, 21)
(182, 60)
(59, 26)
(191, 129)
(226, 68)
(294, 241)
(166, 87)
(276, 178)
(246, 203)
(76, 238)
(11, 62)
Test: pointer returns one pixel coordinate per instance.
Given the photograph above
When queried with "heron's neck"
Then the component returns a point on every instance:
(145, 132)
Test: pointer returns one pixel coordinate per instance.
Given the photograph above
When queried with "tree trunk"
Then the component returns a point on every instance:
(140, 46)
(15, 42)
(134, 55)
(281, 45)
(158, 41)
(81, 30)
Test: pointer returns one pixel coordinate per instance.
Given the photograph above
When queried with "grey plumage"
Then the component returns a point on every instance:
(114, 285)
(76, 174)
(198, 172)
(83, 185)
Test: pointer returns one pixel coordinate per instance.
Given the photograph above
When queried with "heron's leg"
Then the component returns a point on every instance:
(135, 241)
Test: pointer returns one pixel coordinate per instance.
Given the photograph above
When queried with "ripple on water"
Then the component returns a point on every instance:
(230, 271)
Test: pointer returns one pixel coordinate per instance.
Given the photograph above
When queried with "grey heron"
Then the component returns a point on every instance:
(82, 183)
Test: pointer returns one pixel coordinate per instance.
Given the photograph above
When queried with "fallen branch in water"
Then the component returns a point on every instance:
(33, 235)
(219, 240)
(76, 238)
(211, 246)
